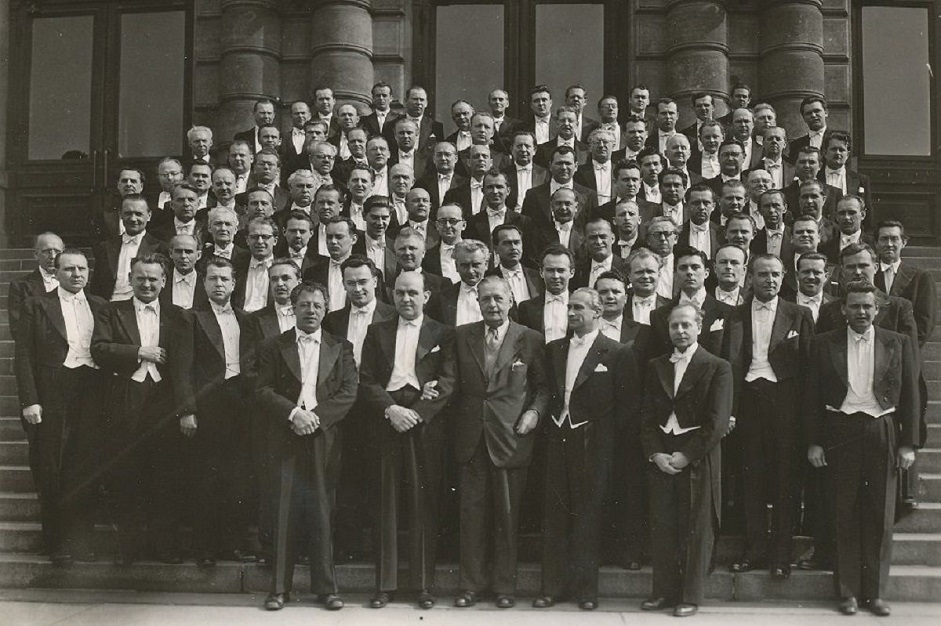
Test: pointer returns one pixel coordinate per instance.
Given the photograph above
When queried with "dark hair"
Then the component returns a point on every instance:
(856, 248)
(612, 275)
(699, 95)
(71, 251)
(890, 224)
(557, 249)
(308, 287)
(672, 171)
(563, 150)
(152, 259)
(358, 260)
(299, 215)
(762, 257)
(540, 89)
(686, 251)
(838, 135)
(339, 219)
(861, 286)
(624, 164)
(376, 201)
(700, 187)
(813, 255)
(221, 261)
(810, 100)
(263, 101)
(268, 152)
(327, 188)
(498, 231)
(286, 261)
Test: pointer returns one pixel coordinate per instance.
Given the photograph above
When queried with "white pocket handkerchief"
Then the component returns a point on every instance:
(516, 365)
(601, 368)
(717, 325)
(792, 333)
(435, 349)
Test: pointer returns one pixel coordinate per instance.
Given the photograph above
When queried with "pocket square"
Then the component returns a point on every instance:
(517, 364)
(601, 368)
(717, 325)
(435, 349)
(792, 333)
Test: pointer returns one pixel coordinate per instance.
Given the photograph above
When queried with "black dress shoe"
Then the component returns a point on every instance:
(656, 604)
(425, 600)
(505, 602)
(588, 605)
(878, 606)
(275, 601)
(745, 565)
(331, 601)
(848, 606)
(380, 600)
(543, 602)
(685, 610)
(466, 599)
(781, 573)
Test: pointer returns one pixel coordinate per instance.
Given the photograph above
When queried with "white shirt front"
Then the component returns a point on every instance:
(602, 180)
(495, 217)
(710, 165)
(163, 198)
(380, 184)
(49, 281)
(184, 228)
(699, 238)
(184, 288)
(542, 129)
(517, 283)
(130, 244)
(816, 137)
(298, 136)
(79, 324)
(565, 232)
(407, 158)
(846, 240)
(811, 302)
(376, 251)
(679, 370)
(837, 178)
(652, 194)
(597, 269)
(231, 333)
(406, 347)
(256, 285)
(578, 350)
(477, 195)
(224, 252)
(665, 284)
(776, 169)
(889, 272)
(468, 308)
(308, 351)
(286, 318)
(463, 141)
(860, 368)
(448, 268)
(335, 287)
(775, 239)
(697, 299)
(148, 326)
(444, 185)
(555, 320)
(524, 182)
(356, 214)
(762, 321)
(663, 138)
(360, 319)
(612, 328)
(731, 298)
(642, 307)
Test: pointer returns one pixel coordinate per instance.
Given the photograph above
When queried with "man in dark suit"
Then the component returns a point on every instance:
(294, 143)
(439, 260)
(324, 101)
(836, 151)
(266, 174)
(145, 350)
(861, 403)
(812, 277)
(643, 274)
(592, 395)
(60, 388)
(263, 112)
(742, 129)
(597, 173)
(295, 244)
(599, 254)
(505, 126)
(441, 178)
(483, 133)
(576, 98)
(401, 356)
(678, 153)
(41, 280)
(772, 157)
(548, 314)
(405, 148)
(107, 221)
(251, 275)
(494, 210)
(456, 304)
(775, 237)
(850, 216)
(376, 244)
(113, 257)
(667, 115)
(704, 108)
(814, 111)
(470, 195)
(541, 124)
(199, 141)
(691, 272)
(461, 113)
(731, 166)
(184, 202)
(537, 203)
(705, 160)
(807, 165)
(739, 98)
(767, 341)
(565, 120)
(222, 225)
(699, 231)
(418, 203)
(409, 254)
(686, 409)
(306, 385)
(626, 187)
(500, 394)
(382, 116)
(184, 283)
(222, 498)
(430, 131)
(564, 228)
(508, 246)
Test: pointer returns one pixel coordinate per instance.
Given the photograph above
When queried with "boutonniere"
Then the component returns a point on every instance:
(517, 364)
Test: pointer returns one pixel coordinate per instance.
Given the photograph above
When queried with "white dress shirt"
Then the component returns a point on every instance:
(663, 139)
(463, 141)
(816, 137)
(517, 282)
(298, 137)
(541, 127)
(756, 215)
(130, 244)
(699, 238)
(468, 308)
(256, 285)
(710, 165)
(837, 178)
(811, 302)
(79, 324)
(448, 268)
(680, 365)
(642, 307)
(241, 183)
(407, 158)
(335, 289)
(376, 251)
(555, 316)
(860, 368)
(148, 326)
(762, 321)
(444, 185)
(731, 298)
(477, 195)
(357, 215)
(163, 198)
(308, 351)
(224, 252)
(652, 194)
(665, 284)
(697, 299)
(524, 182)
(495, 217)
(406, 347)
(286, 318)
(380, 184)
(49, 281)
(612, 328)
(597, 269)
(846, 240)
(184, 228)
(578, 350)
(231, 332)
(602, 180)
(184, 288)
(776, 169)
(889, 272)
(360, 319)
(565, 232)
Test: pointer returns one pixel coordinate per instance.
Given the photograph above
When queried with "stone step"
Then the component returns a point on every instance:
(929, 489)
(14, 452)
(932, 369)
(929, 460)
(11, 429)
(16, 478)
(7, 348)
(934, 436)
(9, 403)
(916, 549)
(6, 365)
(933, 414)
(925, 519)
(19, 507)
(27, 253)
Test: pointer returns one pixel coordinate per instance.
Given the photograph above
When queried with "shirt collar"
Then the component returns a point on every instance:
(221, 310)
(415, 322)
(562, 297)
(856, 337)
(501, 330)
(772, 305)
(68, 296)
(698, 298)
(140, 306)
(369, 308)
(317, 334)
(189, 279)
(895, 266)
(585, 340)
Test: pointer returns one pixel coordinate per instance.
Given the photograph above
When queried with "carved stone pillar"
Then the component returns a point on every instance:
(250, 67)
(697, 53)
(341, 49)
(791, 66)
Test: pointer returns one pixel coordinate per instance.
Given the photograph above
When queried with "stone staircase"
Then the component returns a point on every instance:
(915, 575)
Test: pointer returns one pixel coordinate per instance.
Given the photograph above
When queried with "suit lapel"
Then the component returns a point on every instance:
(329, 353)
(782, 322)
(129, 320)
(592, 360)
(840, 350)
(904, 276)
(883, 357)
(53, 309)
(291, 355)
(387, 341)
(207, 319)
(665, 372)
(427, 339)
(475, 341)
(508, 349)
(693, 372)
(561, 356)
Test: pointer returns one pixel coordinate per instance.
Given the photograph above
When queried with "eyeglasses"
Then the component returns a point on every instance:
(444, 221)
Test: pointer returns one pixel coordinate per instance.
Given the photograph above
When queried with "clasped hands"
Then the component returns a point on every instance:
(671, 463)
(304, 422)
(155, 354)
(403, 418)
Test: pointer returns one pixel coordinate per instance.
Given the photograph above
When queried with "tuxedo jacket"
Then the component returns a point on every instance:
(538, 237)
(115, 344)
(540, 175)
(703, 399)
(831, 247)
(537, 207)
(759, 245)
(443, 304)
(787, 171)
(359, 247)
(715, 240)
(430, 133)
(796, 145)
(606, 388)
(917, 286)
(544, 152)
(42, 346)
(240, 256)
(489, 407)
(461, 195)
(279, 380)
(530, 125)
(478, 226)
(421, 160)
(282, 199)
(531, 313)
(258, 326)
(534, 282)
(165, 230)
(788, 350)
(431, 263)
(371, 123)
(241, 267)
(429, 182)
(337, 323)
(897, 316)
(200, 299)
(583, 271)
(792, 197)
(434, 360)
(21, 289)
(856, 184)
(713, 325)
(629, 305)
(893, 382)
(585, 175)
(209, 351)
(106, 256)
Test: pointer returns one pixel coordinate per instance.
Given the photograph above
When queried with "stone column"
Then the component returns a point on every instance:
(791, 66)
(250, 67)
(341, 49)
(697, 54)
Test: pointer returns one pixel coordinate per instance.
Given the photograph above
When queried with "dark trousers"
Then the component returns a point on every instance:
(861, 452)
(303, 506)
(146, 467)
(625, 520)
(222, 498)
(66, 444)
(412, 462)
(577, 463)
(490, 504)
(682, 527)
(357, 491)
(768, 423)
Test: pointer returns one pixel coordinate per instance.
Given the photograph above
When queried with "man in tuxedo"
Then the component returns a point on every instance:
(341, 235)
(328, 203)
(836, 151)
(732, 199)
(815, 112)
(199, 141)
(592, 396)
(633, 141)
(861, 403)
(772, 157)
(184, 202)
(59, 389)
(441, 179)
(806, 166)
(565, 229)
(757, 182)
(347, 119)
(184, 288)
(639, 100)
(742, 129)
(324, 102)
(691, 272)
(767, 341)
(740, 98)
(111, 278)
(661, 239)
(471, 194)
(667, 116)
(292, 148)
(401, 356)
(266, 172)
(740, 230)
(901, 279)
(359, 183)
(240, 159)
(501, 391)
(107, 221)
(705, 161)
(401, 181)
(306, 385)
(599, 255)
(483, 133)
(251, 278)
(542, 126)
(200, 177)
(651, 164)
(356, 142)
(145, 350)
(699, 231)
(678, 152)
(302, 185)
(608, 120)
(295, 241)
(548, 313)
(704, 108)
(409, 254)
(456, 304)
(685, 414)
(494, 211)
(43, 279)
(439, 259)
(418, 203)
(627, 236)
(223, 190)
(731, 164)
(813, 273)
(430, 130)
(405, 149)
(576, 98)
(673, 186)
(537, 204)
(263, 112)
(461, 113)
(730, 265)
(596, 173)
(522, 174)
(505, 126)
(775, 237)
(169, 174)
(322, 158)
(269, 136)
(804, 238)
(376, 244)
(508, 247)
(813, 198)
(627, 181)
(222, 224)
(850, 216)
(376, 122)
(566, 121)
